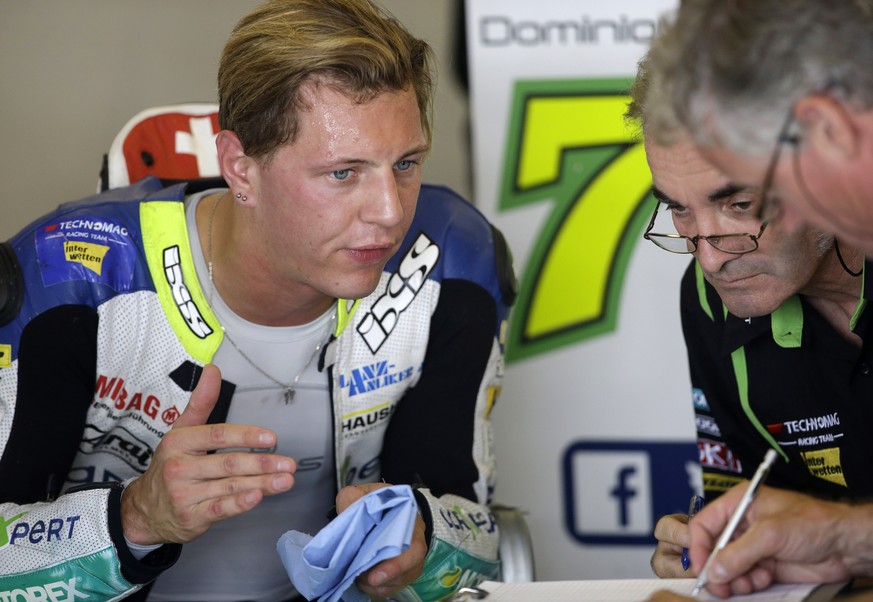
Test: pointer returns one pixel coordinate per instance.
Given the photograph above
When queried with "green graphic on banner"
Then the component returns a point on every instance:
(569, 146)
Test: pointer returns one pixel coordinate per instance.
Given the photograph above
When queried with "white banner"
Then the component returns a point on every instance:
(594, 428)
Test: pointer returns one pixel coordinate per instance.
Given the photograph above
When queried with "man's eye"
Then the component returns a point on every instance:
(404, 165)
(341, 174)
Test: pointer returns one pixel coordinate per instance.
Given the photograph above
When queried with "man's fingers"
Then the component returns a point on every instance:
(215, 436)
(740, 561)
(708, 524)
(666, 561)
(351, 493)
(673, 529)
(212, 437)
(219, 496)
(393, 574)
(203, 398)
(231, 464)
(672, 534)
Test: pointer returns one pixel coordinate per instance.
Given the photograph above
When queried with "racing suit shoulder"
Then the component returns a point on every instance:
(471, 247)
(83, 253)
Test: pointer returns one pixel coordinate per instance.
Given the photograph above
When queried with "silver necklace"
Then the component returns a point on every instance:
(288, 390)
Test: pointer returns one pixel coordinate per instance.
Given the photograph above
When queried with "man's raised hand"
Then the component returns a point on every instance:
(186, 489)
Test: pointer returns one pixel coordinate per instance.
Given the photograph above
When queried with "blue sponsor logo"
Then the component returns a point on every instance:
(699, 400)
(374, 377)
(614, 492)
(18, 531)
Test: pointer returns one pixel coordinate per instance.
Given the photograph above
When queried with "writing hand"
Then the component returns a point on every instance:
(185, 490)
(392, 574)
(673, 534)
(784, 537)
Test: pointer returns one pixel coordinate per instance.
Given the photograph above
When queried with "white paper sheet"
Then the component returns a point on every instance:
(625, 590)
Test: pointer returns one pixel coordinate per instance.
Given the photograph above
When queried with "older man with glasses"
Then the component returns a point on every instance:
(773, 315)
(788, 79)
(779, 94)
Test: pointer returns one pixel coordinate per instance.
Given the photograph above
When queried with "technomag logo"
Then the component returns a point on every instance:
(615, 491)
(568, 145)
(91, 225)
(499, 30)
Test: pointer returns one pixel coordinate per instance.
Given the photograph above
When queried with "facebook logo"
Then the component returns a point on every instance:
(614, 492)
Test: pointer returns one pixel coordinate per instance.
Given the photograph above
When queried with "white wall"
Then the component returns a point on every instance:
(72, 73)
(594, 432)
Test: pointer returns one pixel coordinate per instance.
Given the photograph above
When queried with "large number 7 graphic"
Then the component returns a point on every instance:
(569, 144)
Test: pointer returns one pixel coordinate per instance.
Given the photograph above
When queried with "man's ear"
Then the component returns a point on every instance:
(235, 165)
(830, 126)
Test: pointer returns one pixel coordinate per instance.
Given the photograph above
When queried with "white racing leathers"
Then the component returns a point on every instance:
(104, 330)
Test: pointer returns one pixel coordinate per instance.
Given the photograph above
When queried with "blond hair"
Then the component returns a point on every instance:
(283, 44)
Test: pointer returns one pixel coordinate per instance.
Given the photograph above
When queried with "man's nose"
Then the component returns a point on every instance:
(710, 258)
(383, 204)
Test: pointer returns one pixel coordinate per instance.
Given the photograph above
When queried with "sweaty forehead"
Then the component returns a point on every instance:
(680, 174)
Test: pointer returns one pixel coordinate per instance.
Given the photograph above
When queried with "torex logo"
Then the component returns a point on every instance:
(402, 288)
(16, 530)
(56, 591)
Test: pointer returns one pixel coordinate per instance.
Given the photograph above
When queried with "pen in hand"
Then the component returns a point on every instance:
(736, 517)
(693, 508)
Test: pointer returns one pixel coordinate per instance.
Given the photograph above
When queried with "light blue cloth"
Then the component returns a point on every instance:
(377, 526)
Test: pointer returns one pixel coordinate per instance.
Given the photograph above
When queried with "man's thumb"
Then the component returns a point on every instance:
(202, 399)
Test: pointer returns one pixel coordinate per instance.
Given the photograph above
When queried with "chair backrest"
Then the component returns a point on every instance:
(174, 143)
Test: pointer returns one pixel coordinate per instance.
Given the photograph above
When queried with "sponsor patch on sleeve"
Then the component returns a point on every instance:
(86, 249)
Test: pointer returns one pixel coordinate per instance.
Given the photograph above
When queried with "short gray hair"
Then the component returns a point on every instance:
(650, 108)
(735, 68)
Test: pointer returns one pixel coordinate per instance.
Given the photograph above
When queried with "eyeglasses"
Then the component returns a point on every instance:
(770, 206)
(735, 244)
